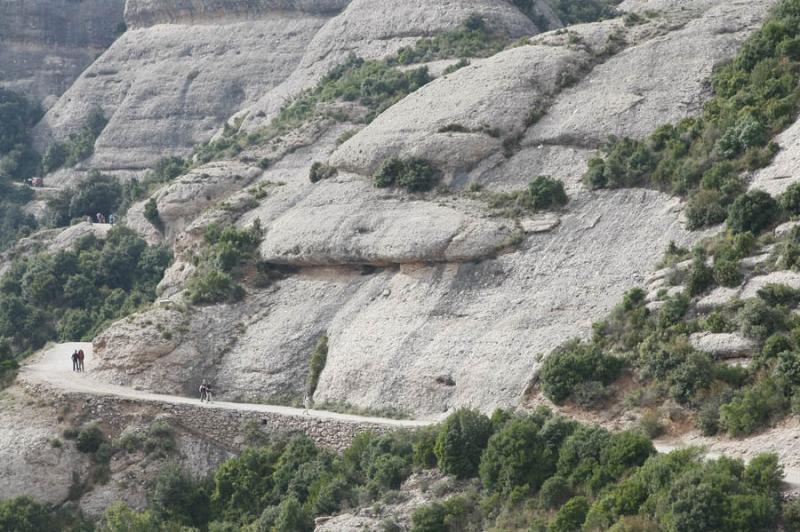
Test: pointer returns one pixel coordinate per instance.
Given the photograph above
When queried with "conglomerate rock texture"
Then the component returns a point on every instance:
(46, 44)
(429, 301)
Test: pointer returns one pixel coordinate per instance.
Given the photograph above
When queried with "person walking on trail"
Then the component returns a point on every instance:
(81, 356)
(75, 360)
(307, 403)
(112, 218)
(205, 392)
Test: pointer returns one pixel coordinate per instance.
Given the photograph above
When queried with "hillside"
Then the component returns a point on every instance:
(403, 210)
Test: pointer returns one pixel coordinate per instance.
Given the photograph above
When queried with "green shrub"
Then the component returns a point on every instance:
(472, 39)
(673, 311)
(89, 439)
(460, 442)
(414, 175)
(752, 408)
(574, 363)
(23, 514)
(517, 457)
(555, 492)
(213, 287)
(775, 345)
(424, 448)
(152, 215)
(790, 200)
(293, 517)
(546, 193)
(753, 212)
(317, 363)
(320, 171)
(759, 320)
(791, 516)
(571, 516)
(727, 273)
(706, 208)
(779, 294)
(177, 498)
(98, 193)
(700, 277)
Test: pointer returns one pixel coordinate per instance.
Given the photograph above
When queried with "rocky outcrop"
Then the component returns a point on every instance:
(575, 87)
(143, 13)
(46, 44)
(168, 88)
(724, 345)
(347, 222)
(174, 81)
(374, 30)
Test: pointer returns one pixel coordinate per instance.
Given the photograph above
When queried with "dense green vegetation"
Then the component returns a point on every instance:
(534, 471)
(319, 357)
(543, 193)
(70, 295)
(414, 175)
(570, 11)
(755, 97)
(78, 146)
(375, 85)
(18, 161)
(98, 193)
(221, 262)
(654, 345)
(473, 39)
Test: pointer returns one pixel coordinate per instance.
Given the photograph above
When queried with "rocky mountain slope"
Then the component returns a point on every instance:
(46, 44)
(428, 300)
(448, 314)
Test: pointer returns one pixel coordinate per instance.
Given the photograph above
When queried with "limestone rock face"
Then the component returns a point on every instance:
(494, 95)
(374, 30)
(167, 88)
(46, 44)
(187, 67)
(618, 95)
(724, 345)
(782, 173)
(142, 13)
(348, 223)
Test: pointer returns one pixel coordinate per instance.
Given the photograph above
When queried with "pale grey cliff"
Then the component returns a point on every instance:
(46, 44)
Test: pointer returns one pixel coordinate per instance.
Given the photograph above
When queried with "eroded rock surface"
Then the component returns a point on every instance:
(46, 44)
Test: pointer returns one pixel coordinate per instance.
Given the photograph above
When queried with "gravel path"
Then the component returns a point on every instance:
(53, 367)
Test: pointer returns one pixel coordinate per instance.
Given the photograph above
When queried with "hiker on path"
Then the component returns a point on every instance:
(205, 392)
(80, 360)
(75, 360)
(112, 218)
(307, 403)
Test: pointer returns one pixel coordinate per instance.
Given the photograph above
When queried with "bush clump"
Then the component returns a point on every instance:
(89, 439)
(461, 441)
(752, 212)
(317, 363)
(574, 363)
(414, 175)
(320, 171)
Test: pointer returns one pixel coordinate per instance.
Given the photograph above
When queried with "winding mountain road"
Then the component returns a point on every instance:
(53, 367)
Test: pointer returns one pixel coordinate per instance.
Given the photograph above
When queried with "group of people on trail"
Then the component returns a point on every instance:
(35, 182)
(205, 392)
(101, 218)
(77, 360)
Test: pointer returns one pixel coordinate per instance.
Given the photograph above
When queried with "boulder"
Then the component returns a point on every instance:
(724, 345)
